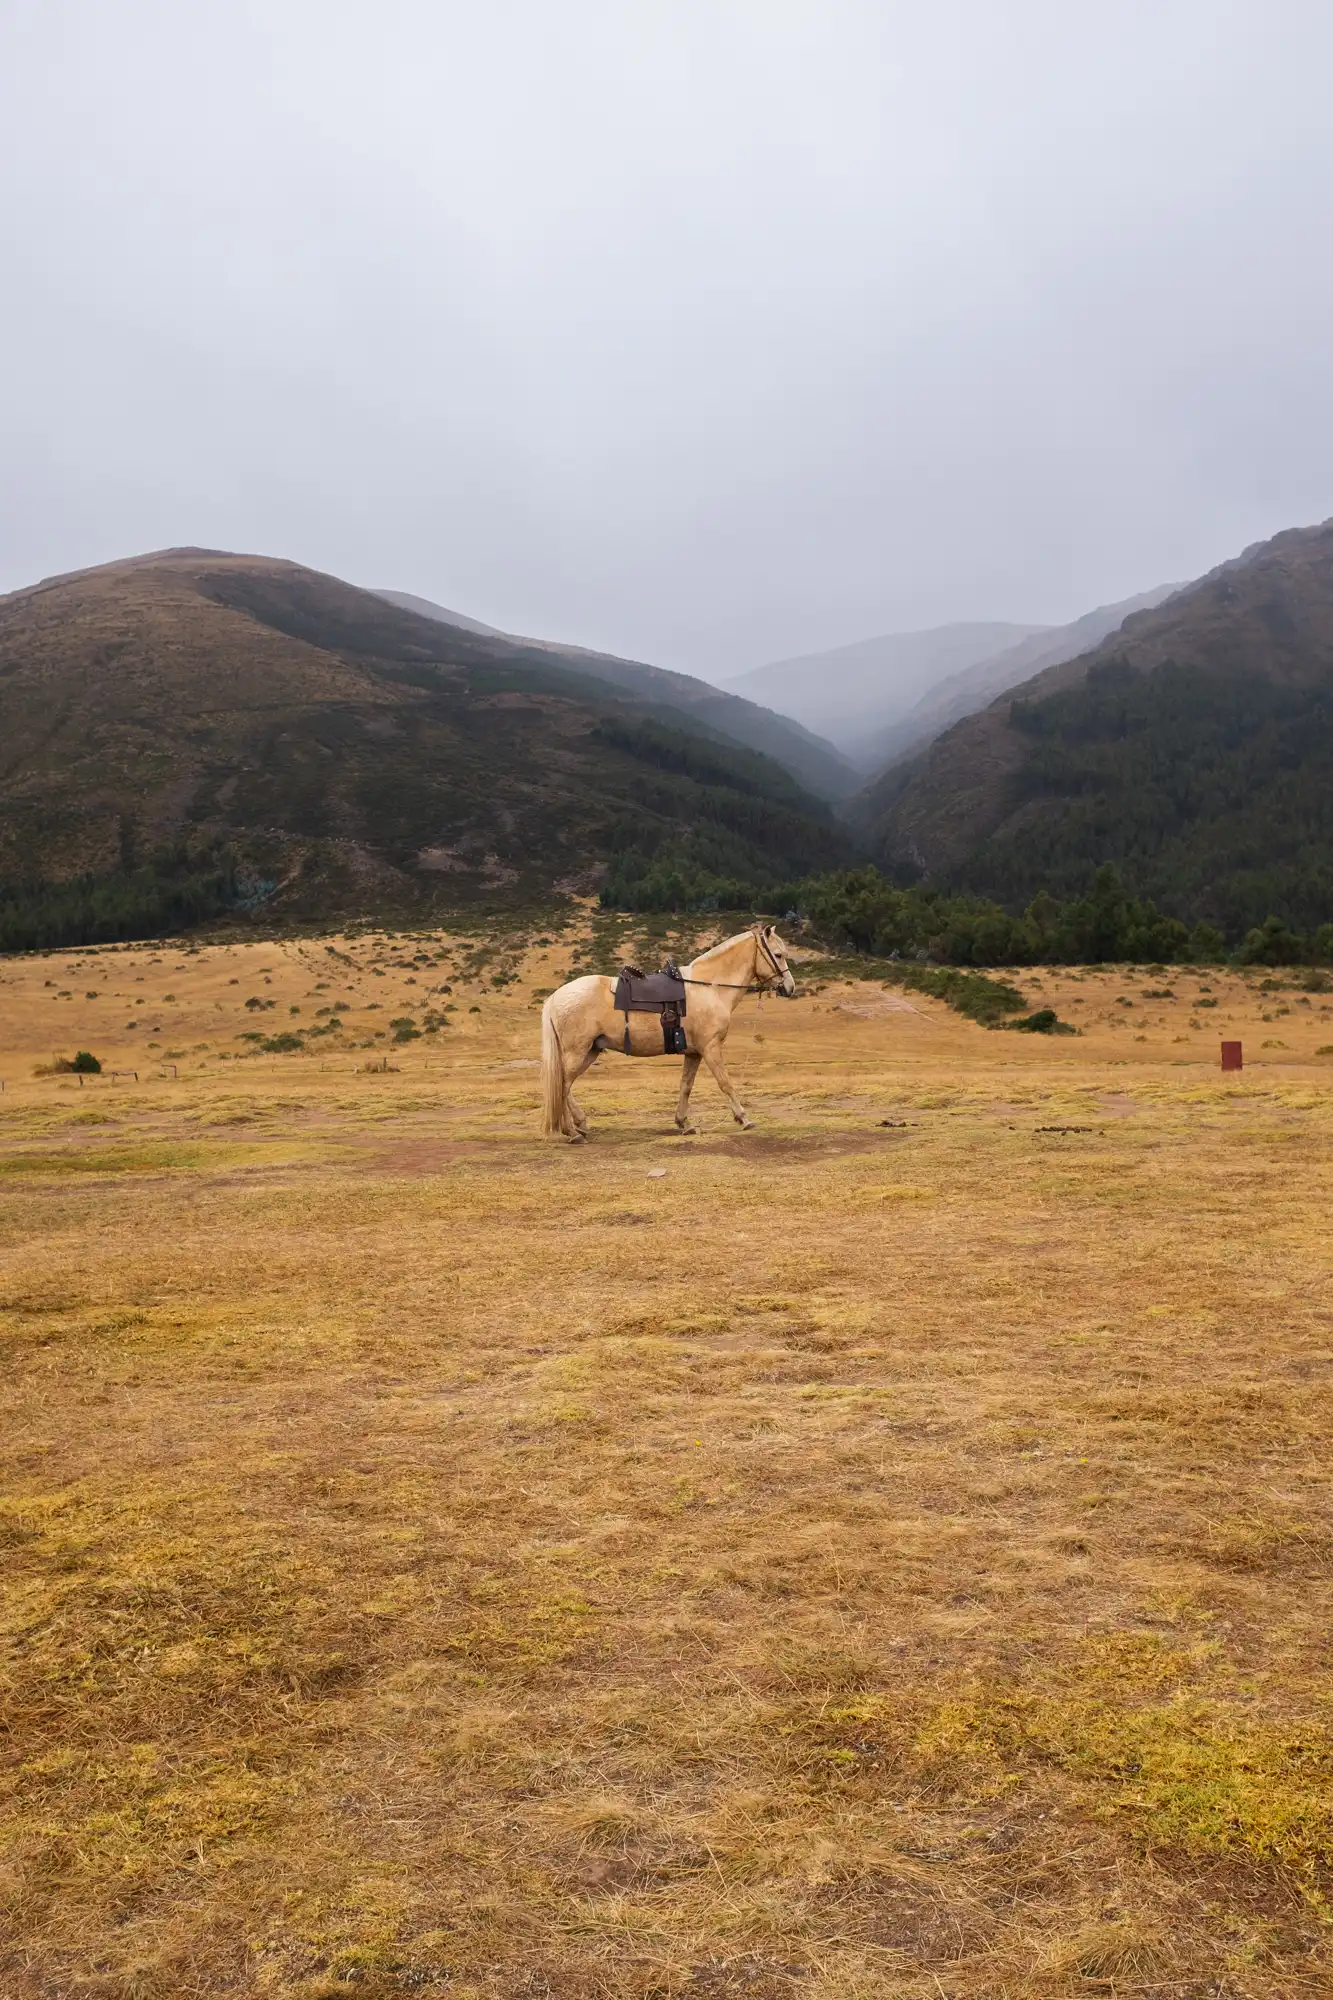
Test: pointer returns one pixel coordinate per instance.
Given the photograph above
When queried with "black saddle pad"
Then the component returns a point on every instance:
(649, 992)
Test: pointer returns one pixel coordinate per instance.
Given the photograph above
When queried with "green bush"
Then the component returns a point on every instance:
(1044, 1022)
(1273, 944)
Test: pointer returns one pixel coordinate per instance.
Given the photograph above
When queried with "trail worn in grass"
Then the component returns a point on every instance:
(890, 1554)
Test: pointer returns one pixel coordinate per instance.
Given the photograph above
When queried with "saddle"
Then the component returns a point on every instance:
(661, 993)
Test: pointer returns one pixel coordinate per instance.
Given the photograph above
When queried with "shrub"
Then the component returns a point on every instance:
(1273, 944)
(1044, 1022)
(85, 1064)
(983, 1000)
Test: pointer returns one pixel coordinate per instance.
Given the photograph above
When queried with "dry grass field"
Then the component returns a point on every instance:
(886, 1553)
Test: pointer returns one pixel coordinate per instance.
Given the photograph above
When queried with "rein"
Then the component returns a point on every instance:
(731, 985)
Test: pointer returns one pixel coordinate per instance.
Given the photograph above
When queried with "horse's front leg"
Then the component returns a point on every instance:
(712, 1055)
(689, 1069)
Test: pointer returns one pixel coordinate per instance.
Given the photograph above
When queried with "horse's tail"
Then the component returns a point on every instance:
(555, 1091)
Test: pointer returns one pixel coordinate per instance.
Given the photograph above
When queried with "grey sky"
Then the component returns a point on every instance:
(703, 332)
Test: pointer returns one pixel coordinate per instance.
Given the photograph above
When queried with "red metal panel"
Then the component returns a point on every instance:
(1231, 1056)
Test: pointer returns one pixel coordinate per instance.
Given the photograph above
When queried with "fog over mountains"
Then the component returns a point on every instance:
(848, 690)
(840, 717)
(975, 686)
(880, 698)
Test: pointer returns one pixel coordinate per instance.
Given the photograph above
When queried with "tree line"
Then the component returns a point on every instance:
(864, 910)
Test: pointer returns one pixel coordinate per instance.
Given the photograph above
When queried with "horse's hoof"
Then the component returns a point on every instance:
(746, 1124)
(577, 1138)
(688, 1131)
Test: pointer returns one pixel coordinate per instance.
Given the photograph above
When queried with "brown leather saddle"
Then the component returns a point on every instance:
(661, 993)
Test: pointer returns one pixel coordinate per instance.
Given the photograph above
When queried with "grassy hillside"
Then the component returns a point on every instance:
(1193, 748)
(342, 753)
(813, 762)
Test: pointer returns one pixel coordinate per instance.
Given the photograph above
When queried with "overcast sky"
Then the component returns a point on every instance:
(707, 331)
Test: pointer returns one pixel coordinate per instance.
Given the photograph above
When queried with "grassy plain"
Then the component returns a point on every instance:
(886, 1553)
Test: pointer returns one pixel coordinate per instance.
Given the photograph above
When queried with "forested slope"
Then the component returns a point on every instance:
(1193, 749)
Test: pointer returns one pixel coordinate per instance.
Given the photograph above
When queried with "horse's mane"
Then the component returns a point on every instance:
(751, 930)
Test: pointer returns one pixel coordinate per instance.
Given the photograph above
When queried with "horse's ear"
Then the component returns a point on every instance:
(768, 930)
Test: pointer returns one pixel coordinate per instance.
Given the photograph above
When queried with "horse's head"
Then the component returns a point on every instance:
(770, 961)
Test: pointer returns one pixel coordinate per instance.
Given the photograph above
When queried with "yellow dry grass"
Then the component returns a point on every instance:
(871, 1559)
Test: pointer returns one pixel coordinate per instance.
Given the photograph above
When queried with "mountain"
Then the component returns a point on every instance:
(813, 762)
(867, 686)
(976, 686)
(353, 755)
(1193, 748)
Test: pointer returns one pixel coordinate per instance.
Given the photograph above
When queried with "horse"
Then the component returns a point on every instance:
(579, 1021)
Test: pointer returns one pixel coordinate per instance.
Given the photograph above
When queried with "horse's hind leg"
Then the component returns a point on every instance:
(689, 1070)
(577, 1128)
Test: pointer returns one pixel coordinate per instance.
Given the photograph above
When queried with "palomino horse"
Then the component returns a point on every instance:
(579, 1021)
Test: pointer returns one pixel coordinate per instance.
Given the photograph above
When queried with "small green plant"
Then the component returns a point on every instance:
(85, 1064)
(1044, 1022)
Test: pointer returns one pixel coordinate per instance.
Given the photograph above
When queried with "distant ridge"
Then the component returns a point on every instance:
(962, 693)
(815, 763)
(425, 609)
(852, 692)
